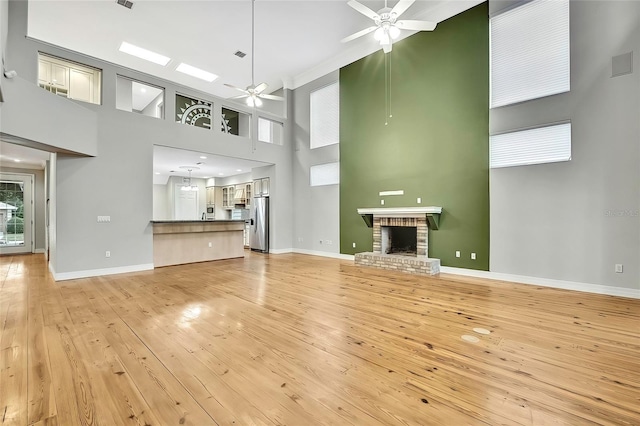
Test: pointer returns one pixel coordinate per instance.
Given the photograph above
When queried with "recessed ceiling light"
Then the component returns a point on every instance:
(196, 72)
(221, 174)
(145, 54)
(143, 90)
(203, 157)
(238, 170)
(16, 160)
(157, 173)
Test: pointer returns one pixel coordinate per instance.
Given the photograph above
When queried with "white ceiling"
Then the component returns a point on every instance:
(296, 41)
(27, 158)
(176, 162)
(142, 95)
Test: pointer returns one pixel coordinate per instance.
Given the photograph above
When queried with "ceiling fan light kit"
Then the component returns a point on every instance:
(386, 26)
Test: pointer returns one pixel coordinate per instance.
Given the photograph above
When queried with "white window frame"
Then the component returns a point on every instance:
(324, 116)
(324, 174)
(538, 145)
(530, 52)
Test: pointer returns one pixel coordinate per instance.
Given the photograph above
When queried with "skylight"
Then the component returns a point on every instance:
(145, 54)
(196, 72)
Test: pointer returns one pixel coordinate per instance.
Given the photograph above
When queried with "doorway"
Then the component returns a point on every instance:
(16, 213)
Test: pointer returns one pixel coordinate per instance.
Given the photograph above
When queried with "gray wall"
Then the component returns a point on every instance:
(4, 24)
(39, 203)
(574, 220)
(67, 126)
(317, 209)
(119, 181)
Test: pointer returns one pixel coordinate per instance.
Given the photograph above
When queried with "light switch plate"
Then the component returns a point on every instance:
(457, 253)
(618, 268)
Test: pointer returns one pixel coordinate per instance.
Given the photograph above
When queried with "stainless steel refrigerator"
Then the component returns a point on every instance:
(260, 224)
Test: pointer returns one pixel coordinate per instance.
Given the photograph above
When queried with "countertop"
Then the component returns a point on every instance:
(199, 221)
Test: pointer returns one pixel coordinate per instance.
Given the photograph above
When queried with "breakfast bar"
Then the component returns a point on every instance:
(177, 242)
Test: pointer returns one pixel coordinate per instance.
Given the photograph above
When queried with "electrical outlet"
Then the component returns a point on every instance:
(354, 245)
(419, 200)
(382, 202)
(107, 253)
(210, 245)
(618, 268)
(328, 242)
(473, 256)
(457, 253)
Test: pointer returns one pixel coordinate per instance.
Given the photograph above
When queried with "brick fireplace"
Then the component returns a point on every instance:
(401, 239)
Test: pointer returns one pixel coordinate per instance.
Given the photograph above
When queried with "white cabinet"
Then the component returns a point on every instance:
(261, 187)
(69, 79)
(211, 196)
(228, 196)
(81, 85)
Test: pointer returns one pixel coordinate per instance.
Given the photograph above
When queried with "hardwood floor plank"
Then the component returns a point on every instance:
(13, 344)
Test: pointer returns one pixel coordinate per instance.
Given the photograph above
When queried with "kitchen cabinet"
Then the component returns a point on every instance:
(248, 193)
(228, 196)
(68, 79)
(261, 187)
(211, 196)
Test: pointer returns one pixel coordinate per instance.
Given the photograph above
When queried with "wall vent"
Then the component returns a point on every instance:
(240, 54)
(622, 64)
(126, 3)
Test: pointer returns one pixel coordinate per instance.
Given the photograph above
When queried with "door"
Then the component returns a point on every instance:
(185, 204)
(81, 85)
(16, 213)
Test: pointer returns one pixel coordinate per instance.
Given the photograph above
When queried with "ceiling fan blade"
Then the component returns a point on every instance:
(364, 9)
(260, 87)
(246, 95)
(237, 88)
(358, 34)
(408, 24)
(272, 97)
(401, 6)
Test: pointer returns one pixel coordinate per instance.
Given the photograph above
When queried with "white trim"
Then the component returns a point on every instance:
(324, 254)
(280, 251)
(400, 211)
(39, 251)
(99, 272)
(545, 282)
(384, 193)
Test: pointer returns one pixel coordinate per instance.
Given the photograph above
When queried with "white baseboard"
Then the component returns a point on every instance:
(324, 254)
(545, 282)
(280, 251)
(39, 251)
(63, 276)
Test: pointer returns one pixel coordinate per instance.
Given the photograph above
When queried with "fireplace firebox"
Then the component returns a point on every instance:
(400, 240)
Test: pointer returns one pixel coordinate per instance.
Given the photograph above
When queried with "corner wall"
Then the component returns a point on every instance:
(573, 221)
(317, 209)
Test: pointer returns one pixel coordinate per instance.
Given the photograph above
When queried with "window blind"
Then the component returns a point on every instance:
(548, 144)
(530, 52)
(325, 174)
(325, 116)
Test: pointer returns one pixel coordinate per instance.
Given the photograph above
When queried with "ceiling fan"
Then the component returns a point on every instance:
(387, 26)
(254, 93)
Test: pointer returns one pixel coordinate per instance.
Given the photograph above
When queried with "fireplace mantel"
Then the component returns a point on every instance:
(432, 214)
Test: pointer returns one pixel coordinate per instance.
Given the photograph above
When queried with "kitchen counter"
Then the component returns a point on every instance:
(177, 242)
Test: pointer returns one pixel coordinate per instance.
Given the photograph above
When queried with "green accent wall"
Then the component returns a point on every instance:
(436, 144)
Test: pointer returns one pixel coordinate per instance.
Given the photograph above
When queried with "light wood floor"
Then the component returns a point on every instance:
(302, 340)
